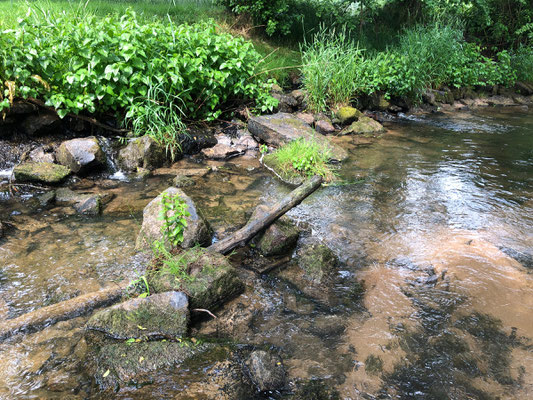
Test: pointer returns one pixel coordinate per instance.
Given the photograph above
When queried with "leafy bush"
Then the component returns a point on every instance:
(336, 71)
(302, 158)
(174, 216)
(81, 63)
(522, 63)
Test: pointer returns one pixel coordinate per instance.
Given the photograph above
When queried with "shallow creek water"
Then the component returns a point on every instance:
(430, 219)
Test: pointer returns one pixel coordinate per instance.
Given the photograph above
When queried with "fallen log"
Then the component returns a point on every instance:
(266, 218)
(46, 316)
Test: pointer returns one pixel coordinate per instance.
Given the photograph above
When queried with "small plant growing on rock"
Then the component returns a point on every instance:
(174, 215)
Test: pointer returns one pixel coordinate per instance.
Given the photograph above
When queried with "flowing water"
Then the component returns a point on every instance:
(434, 221)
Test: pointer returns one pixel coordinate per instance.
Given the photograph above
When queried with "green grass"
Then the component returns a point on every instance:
(300, 159)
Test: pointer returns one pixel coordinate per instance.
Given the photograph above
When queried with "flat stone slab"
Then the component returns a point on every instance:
(40, 172)
(162, 315)
(282, 128)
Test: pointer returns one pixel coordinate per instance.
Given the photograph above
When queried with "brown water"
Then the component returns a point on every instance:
(433, 210)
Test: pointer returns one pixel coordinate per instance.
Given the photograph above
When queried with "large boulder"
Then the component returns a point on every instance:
(142, 152)
(211, 280)
(364, 125)
(279, 238)
(162, 315)
(281, 128)
(266, 371)
(196, 232)
(81, 155)
(41, 172)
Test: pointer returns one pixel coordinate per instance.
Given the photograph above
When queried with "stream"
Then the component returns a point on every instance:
(434, 220)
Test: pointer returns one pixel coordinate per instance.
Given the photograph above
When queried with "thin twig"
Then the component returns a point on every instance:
(206, 311)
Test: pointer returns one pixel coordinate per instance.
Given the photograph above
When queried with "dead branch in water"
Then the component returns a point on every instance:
(265, 219)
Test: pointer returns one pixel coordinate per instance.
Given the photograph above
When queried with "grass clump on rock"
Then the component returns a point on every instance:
(300, 159)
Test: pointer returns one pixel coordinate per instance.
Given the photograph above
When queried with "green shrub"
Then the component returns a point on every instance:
(82, 63)
(336, 70)
(522, 63)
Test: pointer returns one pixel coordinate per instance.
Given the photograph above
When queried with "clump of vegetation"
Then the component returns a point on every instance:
(301, 158)
(174, 213)
(336, 71)
(155, 73)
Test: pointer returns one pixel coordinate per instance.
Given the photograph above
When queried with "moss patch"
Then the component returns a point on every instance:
(41, 172)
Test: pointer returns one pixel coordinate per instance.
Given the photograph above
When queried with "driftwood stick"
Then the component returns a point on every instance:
(43, 317)
(264, 220)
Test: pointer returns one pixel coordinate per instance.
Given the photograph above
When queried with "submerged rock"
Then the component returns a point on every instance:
(47, 198)
(347, 115)
(182, 181)
(91, 205)
(363, 125)
(121, 364)
(211, 280)
(279, 238)
(316, 260)
(142, 152)
(266, 371)
(162, 315)
(281, 128)
(40, 172)
(196, 232)
(81, 155)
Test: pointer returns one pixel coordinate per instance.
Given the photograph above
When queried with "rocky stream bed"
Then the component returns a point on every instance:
(410, 277)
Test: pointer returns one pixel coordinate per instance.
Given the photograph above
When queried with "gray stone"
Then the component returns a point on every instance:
(41, 154)
(324, 127)
(214, 281)
(47, 198)
(161, 315)
(279, 129)
(143, 152)
(308, 118)
(22, 108)
(40, 172)
(222, 151)
(266, 371)
(279, 238)
(196, 232)
(89, 206)
(81, 155)
(286, 103)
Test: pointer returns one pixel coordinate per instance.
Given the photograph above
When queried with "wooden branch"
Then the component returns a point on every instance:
(46, 316)
(254, 226)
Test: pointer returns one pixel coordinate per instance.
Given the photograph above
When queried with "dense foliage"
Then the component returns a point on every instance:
(500, 23)
(336, 71)
(155, 73)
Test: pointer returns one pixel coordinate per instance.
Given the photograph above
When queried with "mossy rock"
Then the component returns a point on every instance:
(123, 364)
(163, 315)
(211, 281)
(143, 152)
(41, 172)
(347, 115)
(182, 181)
(364, 125)
(316, 260)
(290, 177)
(279, 238)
